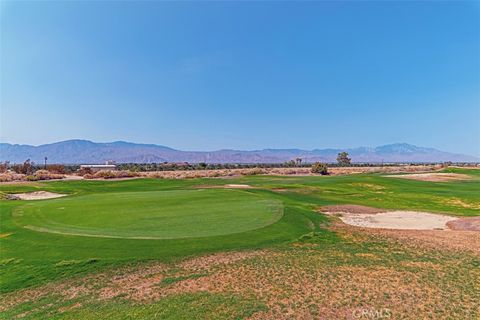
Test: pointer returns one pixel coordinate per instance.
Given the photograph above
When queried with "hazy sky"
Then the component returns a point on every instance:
(203, 76)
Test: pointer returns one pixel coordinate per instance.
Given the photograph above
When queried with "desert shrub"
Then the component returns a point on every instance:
(107, 174)
(319, 168)
(253, 172)
(11, 176)
(215, 174)
(4, 166)
(56, 168)
(104, 174)
(84, 171)
(45, 175)
(26, 168)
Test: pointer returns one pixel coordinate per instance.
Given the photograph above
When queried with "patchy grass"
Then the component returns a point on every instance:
(325, 274)
(302, 266)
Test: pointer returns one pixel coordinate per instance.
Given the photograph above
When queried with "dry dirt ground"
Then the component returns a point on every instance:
(433, 177)
(411, 274)
(468, 224)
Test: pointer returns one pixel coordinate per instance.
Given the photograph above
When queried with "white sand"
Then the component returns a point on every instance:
(37, 195)
(411, 220)
(238, 186)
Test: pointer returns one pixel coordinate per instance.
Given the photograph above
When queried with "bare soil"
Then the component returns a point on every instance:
(351, 208)
(466, 224)
(433, 177)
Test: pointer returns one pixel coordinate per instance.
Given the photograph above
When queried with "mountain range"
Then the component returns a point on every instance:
(84, 151)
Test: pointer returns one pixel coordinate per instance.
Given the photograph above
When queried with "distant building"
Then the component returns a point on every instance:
(109, 165)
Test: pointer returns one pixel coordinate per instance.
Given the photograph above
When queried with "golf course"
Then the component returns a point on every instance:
(124, 249)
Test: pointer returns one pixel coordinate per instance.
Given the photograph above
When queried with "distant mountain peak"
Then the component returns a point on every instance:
(77, 151)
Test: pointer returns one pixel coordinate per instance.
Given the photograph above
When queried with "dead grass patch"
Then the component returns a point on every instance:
(398, 270)
(368, 186)
(462, 203)
(5, 234)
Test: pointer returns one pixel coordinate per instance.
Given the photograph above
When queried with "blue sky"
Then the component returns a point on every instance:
(245, 75)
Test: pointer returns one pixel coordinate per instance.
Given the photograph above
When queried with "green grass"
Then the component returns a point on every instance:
(186, 221)
(167, 214)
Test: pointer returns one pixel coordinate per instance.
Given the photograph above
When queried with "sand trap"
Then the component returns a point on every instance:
(238, 186)
(226, 186)
(37, 195)
(432, 177)
(367, 217)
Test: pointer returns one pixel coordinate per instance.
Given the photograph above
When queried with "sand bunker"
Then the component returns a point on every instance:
(37, 195)
(432, 177)
(238, 186)
(367, 217)
(226, 186)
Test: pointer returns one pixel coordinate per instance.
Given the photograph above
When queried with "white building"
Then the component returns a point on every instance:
(99, 167)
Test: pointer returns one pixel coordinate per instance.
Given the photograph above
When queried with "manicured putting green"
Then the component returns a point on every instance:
(152, 214)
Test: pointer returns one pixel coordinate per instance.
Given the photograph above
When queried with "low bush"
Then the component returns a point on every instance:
(11, 176)
(319, 168)
(26, 168)
(4, 166)
(44, 175)
(84, 171)
(253, 172)
(107, 174)
(56, 168)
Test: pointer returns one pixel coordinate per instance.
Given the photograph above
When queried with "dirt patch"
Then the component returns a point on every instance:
(433, 177)
(5, 235)
(367, 217)
(37, 195)
(351, 208)
(467, 224)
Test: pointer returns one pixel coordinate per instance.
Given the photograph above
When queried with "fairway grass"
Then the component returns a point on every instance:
(102, 227)
(167, 214)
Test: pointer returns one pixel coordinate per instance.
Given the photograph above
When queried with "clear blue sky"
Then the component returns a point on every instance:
(204, 76)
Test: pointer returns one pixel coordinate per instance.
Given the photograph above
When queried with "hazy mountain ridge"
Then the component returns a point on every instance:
(84, 151)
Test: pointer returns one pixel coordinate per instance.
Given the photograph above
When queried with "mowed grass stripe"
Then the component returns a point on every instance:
(152, 215)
